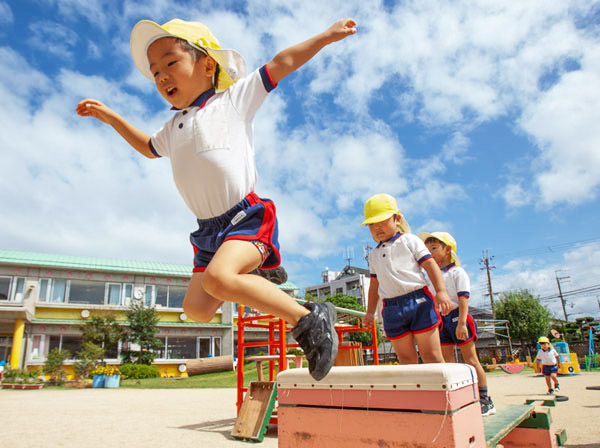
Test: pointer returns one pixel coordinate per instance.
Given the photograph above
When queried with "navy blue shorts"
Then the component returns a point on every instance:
(549, 370)
(448, 331)
(253, 219)
(414, 312)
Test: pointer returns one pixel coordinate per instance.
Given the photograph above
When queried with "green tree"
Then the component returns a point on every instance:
(141, 335)
(527, 317)
(53, 366)
(87, 358)
(104, 332)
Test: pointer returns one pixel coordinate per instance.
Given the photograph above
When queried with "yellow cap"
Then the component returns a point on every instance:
(146, 32)
(381, 207)
(543, 339)
(445, 238)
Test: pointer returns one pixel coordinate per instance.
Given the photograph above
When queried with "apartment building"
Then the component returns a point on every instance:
(351, 281)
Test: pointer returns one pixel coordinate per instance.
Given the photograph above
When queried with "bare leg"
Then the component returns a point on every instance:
(448, 353)
(470, 356)
(226, 279)
(548, 383)
(405, 349)
(429, 346)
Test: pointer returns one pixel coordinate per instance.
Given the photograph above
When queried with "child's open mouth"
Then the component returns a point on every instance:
(171, 91)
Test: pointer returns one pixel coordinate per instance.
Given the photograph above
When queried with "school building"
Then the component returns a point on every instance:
(45, 298)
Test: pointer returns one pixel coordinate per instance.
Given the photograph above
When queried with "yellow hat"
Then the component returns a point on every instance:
(145, 32)
(381, 207)
(543, 339)
(445, 238)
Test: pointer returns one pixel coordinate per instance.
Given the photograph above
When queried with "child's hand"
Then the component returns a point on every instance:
(462, 332)
(367, 320)
(340, 29)
(443, 302)
(96, 109)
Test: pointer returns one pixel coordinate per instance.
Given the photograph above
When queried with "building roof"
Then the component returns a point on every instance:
(15, 257)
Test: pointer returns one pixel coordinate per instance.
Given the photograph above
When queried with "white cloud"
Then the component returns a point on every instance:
(6, 14)
(52, 37)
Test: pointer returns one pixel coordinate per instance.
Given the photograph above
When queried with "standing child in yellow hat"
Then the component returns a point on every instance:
(209, 141)
(550, 360)
(409, 311)
(458, 327)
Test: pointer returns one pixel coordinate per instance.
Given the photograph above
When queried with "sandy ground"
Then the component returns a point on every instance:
(205, 417)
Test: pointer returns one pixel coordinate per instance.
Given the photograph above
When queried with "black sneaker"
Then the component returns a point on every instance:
(316, 335)
(550, 392)
(557, 387)
(487, 406)
(277, 275)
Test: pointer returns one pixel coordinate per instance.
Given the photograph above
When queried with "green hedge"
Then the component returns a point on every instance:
(139, 371)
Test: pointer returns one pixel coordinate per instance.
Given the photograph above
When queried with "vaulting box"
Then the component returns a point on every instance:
(424, 405)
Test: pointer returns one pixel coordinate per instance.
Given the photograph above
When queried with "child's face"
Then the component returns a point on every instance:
(441, 253)
(384, 230)
(178, 77)
(544, 345)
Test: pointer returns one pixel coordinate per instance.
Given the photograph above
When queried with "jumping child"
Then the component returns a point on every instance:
(209, 141)
(550, 360)
(459, 328)
(409, 312)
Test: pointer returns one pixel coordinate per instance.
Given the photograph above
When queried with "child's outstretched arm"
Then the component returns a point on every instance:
(435, 275)
(292, 58)
(136, 138)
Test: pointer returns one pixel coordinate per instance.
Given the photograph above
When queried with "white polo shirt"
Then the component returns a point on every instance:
(397, 265)
(210, 145)
(457, 283)
(548, 358)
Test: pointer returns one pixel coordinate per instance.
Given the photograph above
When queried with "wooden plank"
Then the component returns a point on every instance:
(499, 425)
(256, 411)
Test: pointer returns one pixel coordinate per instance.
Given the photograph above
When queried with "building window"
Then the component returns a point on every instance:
(11, 289)
(209, 346)
(86, 292)
(181, 347)
(44, 289)
(170, 296)
(113, 293)
(70, 343)
(339, 290)
(149, 295)
(58, 293)
(37, 347)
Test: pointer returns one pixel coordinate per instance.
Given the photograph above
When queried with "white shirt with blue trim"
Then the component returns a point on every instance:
(457, 283)
(211, 146)
(397, 265)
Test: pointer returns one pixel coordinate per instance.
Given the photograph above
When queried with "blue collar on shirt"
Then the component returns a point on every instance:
(394, 238)
(447, 268)
(201, 100)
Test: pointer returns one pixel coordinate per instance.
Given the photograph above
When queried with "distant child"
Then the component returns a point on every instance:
(550, 360)
(209, 141)
(409, 311)
(458, 328)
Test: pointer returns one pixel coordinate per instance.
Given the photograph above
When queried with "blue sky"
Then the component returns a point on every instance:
(480, 117)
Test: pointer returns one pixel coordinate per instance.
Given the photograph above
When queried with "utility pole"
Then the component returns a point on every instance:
(562, 300)
(485, 260)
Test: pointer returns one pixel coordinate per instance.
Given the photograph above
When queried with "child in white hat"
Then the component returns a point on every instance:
(409, 310)
(209, 141)
(459, 328)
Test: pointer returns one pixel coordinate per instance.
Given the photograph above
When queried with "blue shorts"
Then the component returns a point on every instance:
(549, 370)
(448, 331)
(252, 219)
(414, 312)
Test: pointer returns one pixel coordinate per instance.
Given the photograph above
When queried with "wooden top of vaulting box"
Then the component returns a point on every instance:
(433, 377)
(431, 387)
